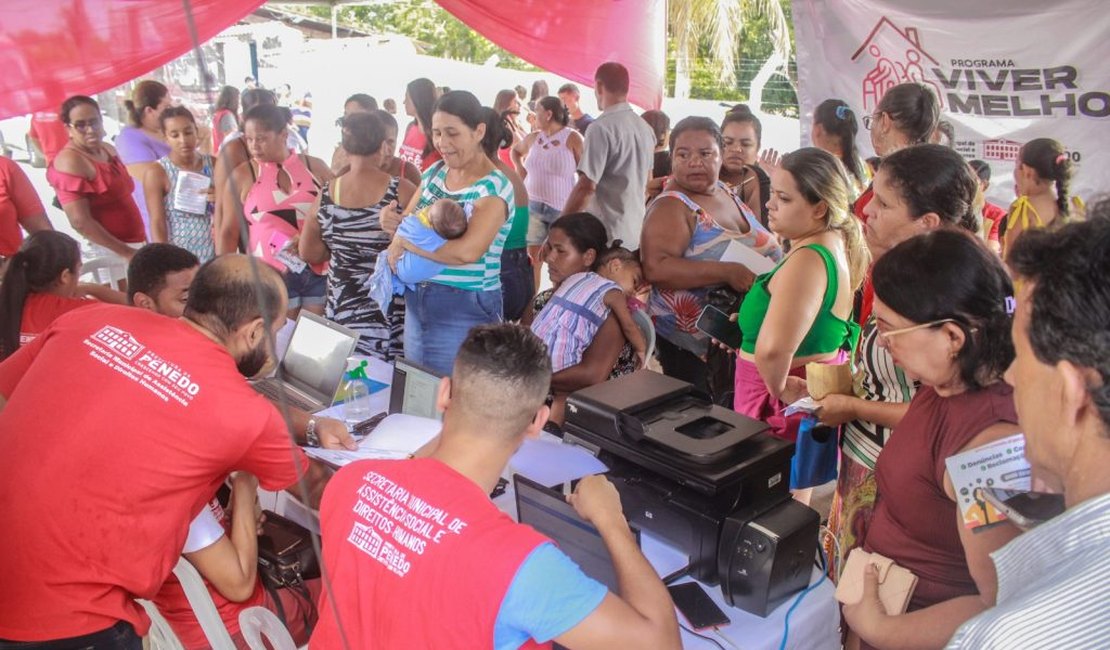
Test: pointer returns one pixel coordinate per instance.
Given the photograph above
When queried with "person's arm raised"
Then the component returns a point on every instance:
(489, 215)
(642, 616)
(231, 564)
(519, 151)
(663, 243)
(797, 292)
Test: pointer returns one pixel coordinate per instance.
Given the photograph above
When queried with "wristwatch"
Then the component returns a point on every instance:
(310, 436)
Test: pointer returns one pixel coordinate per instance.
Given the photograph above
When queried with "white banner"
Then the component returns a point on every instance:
(1005, 71)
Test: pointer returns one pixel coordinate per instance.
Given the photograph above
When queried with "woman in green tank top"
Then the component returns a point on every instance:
(800, 312)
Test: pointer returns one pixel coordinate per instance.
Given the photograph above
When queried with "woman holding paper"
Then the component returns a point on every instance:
(687, 232)
(179, 188)
(942, 309)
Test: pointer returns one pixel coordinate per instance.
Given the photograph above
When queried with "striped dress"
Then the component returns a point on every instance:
(355, 237)
(485, 274)
(571, 319)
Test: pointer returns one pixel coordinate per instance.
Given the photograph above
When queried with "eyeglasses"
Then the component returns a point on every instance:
(868, 120)
(85, 125)
(905, 330)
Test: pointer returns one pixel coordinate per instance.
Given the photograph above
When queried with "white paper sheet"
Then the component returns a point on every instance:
(741, 254)
(552, 463)
(999, 464)
(190, 192)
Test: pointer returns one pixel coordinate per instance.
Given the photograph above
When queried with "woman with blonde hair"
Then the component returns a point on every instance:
(800, 312)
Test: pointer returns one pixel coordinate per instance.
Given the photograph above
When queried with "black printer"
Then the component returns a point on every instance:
(686, 467)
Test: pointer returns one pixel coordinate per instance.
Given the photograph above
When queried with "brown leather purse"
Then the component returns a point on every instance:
(896, 583)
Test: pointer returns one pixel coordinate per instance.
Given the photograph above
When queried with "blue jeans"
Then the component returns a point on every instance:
(541, 216)
(438, 318)
(517, 283)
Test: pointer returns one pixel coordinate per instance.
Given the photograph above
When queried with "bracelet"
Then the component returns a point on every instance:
(311, 438)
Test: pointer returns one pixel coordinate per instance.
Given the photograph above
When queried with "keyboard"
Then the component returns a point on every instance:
(273, 390)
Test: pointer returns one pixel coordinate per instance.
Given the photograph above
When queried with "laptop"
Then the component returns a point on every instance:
(313, 365)
(414, 389)
(546, 509)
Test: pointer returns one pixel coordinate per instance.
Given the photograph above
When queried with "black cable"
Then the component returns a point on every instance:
(268, 322)
(702, 636)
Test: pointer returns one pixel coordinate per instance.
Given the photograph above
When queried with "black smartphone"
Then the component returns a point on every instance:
(1025, 509)
(696, 606)
(716, 323)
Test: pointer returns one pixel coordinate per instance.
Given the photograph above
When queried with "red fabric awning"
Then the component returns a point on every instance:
(572, 37)
(50, 49)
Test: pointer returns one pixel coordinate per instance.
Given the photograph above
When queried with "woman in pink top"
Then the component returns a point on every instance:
(276, 192)
(547, 160)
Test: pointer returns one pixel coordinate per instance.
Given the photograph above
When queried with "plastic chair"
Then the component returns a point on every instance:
(647, 328)
(101, 270)
(258, 623)
(162, 635)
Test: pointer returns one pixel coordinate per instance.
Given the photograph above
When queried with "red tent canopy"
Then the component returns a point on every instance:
(50, 49)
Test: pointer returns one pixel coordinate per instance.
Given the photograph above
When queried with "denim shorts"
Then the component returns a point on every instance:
(305, 288)
(438, 318)
(541, 216)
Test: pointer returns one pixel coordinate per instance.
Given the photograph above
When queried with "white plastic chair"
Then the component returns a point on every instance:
(101, 270)
(258, 623)
(647, 328)
(162, 635)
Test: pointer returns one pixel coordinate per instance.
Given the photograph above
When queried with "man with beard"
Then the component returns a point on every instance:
(117, 427)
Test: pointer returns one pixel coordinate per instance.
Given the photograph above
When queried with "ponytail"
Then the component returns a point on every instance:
(1048, 158)
(35, 268)
(837, 118)
(1062, 181)
(617, 251)
(499, 135)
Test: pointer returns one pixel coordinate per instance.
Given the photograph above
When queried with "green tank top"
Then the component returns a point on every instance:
(828, 333)
(518, 233)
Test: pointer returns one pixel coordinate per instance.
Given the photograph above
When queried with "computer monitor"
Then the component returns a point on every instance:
(317, 356)
(414, 389)
(546, 509)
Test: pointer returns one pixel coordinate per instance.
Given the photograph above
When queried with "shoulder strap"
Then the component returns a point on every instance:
(831, 284)
(675, 194)
(335, 191)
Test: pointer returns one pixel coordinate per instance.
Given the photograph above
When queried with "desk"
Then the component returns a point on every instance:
(813, 625)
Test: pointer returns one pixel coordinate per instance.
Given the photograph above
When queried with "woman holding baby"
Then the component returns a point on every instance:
(440, 311)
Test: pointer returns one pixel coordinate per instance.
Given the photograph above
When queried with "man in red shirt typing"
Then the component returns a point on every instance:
(118, 425)
(418, 556)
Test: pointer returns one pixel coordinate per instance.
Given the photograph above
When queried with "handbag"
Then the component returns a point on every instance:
(816, 455)
(896, 583)
(285, 554)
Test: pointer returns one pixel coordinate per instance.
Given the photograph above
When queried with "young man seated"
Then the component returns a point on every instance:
(419, 557)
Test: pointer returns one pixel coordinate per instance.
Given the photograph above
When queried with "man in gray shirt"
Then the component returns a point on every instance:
(616, 160)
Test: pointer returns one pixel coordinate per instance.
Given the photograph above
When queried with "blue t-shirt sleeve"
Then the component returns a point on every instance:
(548, 596)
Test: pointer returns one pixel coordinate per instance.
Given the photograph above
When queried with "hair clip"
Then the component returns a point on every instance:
(842, 112)
(1011, 305)
(1061, 158)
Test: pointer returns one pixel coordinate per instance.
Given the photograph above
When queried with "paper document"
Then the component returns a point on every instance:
(553, 463)
(190, 192)
(1000, 464)
(397, 436)
(805, 405)
(741, 254)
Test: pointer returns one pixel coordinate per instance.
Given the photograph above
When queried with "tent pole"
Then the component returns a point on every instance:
(334, 20)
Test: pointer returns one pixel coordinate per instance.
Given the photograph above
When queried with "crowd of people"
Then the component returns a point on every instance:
(961, 323)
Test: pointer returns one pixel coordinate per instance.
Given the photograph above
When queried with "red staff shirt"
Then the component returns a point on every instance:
(40, 310)
(120, 425)
(18, 200)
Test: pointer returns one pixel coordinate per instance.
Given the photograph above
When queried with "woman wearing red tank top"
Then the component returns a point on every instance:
(941, 304)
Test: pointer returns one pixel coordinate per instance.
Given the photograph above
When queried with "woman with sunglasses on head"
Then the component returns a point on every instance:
(942, 310)
(94, 187)
(916, 190)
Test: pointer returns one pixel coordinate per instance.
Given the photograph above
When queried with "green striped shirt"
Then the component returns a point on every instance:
(485, 274)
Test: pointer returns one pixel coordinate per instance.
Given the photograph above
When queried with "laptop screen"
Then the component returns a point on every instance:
(547, 510)
(413, 390)
(317, 356)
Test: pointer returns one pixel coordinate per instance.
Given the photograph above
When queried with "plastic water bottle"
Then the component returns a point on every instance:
(356, 407)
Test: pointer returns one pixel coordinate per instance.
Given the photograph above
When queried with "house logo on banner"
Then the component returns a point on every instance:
(897, 59)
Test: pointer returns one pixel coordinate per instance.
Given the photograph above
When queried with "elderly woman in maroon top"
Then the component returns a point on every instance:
(941, 306)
